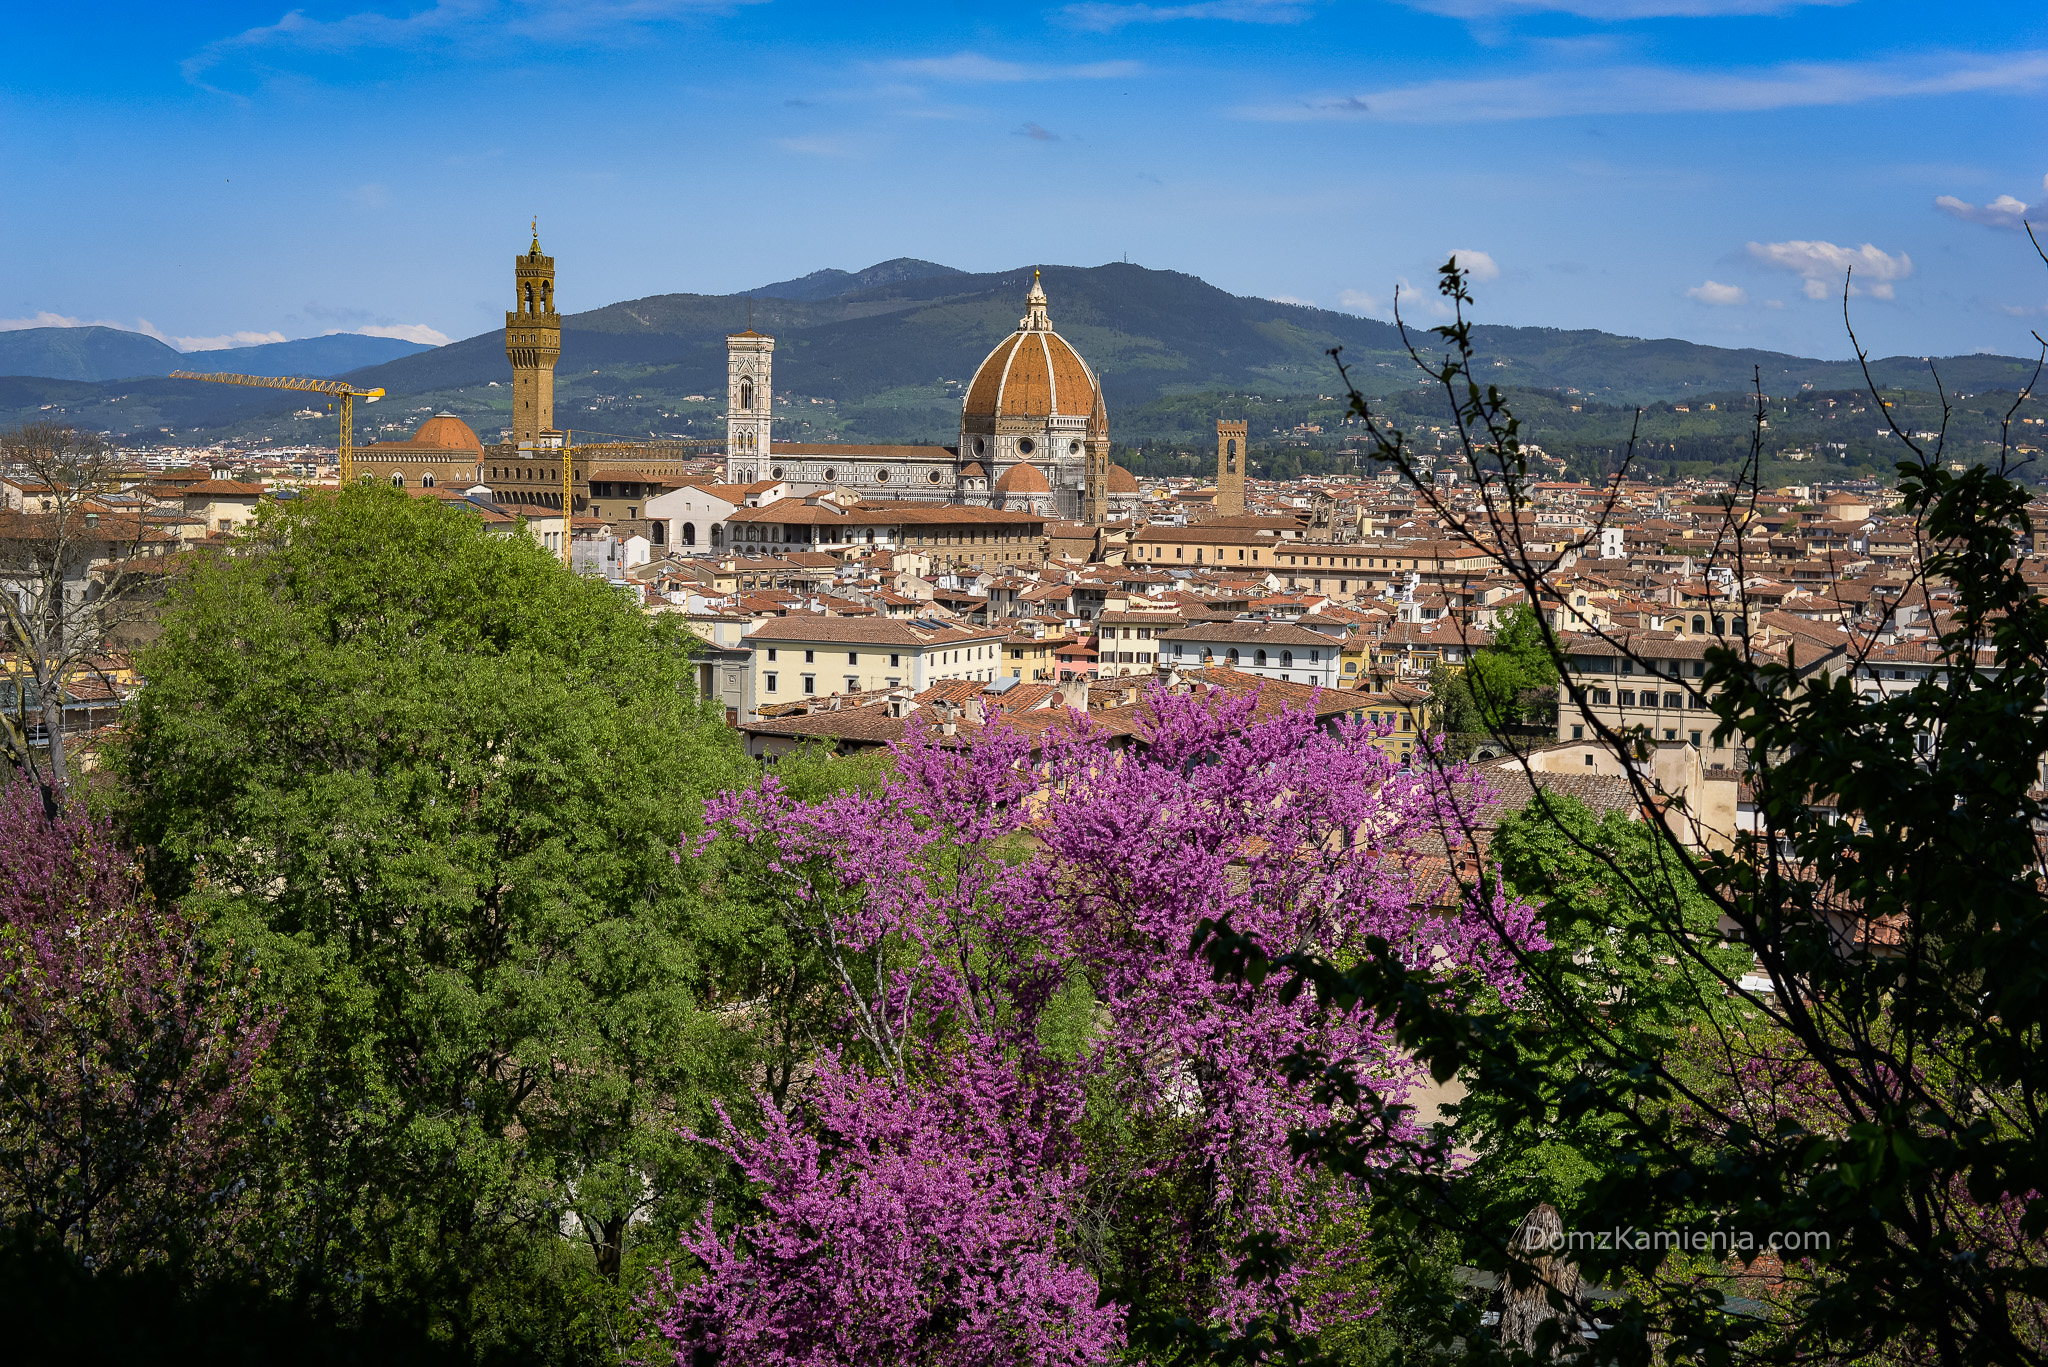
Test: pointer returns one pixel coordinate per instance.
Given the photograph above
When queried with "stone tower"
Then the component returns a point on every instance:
(533, 343)
(1231, 453)
(749, 406)
(1095, 467)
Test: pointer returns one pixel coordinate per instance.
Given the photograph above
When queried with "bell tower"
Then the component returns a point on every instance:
(749, 405)
(1231, 456)
(533, 343)
(1095, 467)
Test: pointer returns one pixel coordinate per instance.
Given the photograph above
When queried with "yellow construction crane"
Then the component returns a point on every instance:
(347, 393)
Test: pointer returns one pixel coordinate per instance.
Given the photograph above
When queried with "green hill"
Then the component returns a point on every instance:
(883, 355)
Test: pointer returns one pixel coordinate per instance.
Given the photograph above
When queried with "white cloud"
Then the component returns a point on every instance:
(1713, 292)
(2003, 212)
(1478, 265)
(1822, 264)
(411, 332)
(1364, 301)
(1612, 9)
(224, 341)
(407, 332)
(1579, 90)
(1290, 299)
(975, 66)
(473, 26)
(1107, 18)
(59, 320)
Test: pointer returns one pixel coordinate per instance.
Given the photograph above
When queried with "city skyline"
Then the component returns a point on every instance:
(1693, 168)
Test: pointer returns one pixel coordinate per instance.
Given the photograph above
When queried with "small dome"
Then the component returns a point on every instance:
(449, 433)
(1022, 479)
(1122, 481)
(1032, 373)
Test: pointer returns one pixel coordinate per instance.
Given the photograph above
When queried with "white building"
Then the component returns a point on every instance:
(1293, 652)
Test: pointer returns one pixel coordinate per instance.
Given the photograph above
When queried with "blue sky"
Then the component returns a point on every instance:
(1691, 168)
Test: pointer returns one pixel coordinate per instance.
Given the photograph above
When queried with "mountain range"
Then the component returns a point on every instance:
(882, 354)
(104, 353)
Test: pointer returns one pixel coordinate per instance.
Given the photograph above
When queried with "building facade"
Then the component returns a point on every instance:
(1032, 421)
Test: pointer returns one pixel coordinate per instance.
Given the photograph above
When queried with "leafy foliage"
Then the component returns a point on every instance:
(1877, 1105)
(962, 907)
(432, 782)
(127, 1042)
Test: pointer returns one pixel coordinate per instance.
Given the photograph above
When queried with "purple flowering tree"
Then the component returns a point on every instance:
(126, 1043)
(923, 1199)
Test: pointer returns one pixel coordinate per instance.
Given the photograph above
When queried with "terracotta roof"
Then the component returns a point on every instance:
(1022, 479)
(1033, 373)
(448, 432)
(1122, 481)
(1257, 633)
(878, 631)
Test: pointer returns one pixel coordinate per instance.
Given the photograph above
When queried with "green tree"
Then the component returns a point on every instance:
(1612, 959)
(1511, 682)
(1885, 1117)
(437, 784)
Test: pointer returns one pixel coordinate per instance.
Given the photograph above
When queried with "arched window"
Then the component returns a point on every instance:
(1232, 657)
(427, 480)
(1259, 659)
(657, 533)
(717, 535)
(398, 481)
(1287, 659)
(746, 393)
(1720, 624)
(689, 533)
(1699, 624)
(529, 297)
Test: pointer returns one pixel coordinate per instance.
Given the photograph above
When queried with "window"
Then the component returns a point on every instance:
(1699, 624)
(689, 533)
(426, 481)
(1231, 657)
(769, 679)
(1579, 733)
(853, 657)
(810, 683)
(746, 393)
(810, 657)
(1287, 659)
(1670, 733)
(1601, 697)
(852, 684)
(1628, 697)
(895, 661)
(1694, 736)
(1674, 700)
(771, 652)
(1259, 659)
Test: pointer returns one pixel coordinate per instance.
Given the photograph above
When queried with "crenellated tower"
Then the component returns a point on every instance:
(533, 343)
(749, 405)
(1231, 454)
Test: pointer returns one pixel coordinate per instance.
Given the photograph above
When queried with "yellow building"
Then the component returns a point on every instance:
(807, 655)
